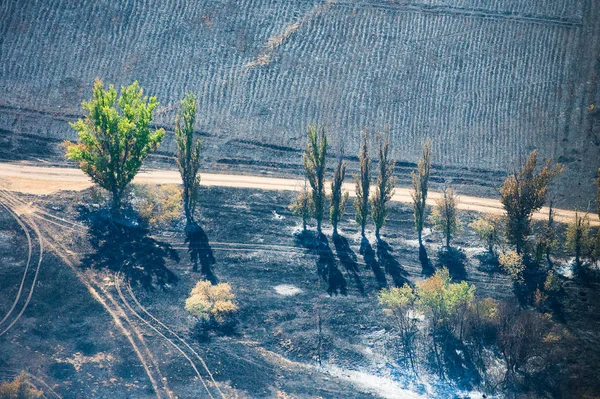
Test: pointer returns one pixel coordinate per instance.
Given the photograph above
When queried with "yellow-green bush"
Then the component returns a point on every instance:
(19, 388)
(211, 301)
(159, 205)
(512, 263)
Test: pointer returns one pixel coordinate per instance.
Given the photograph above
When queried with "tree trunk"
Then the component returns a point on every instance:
(447, 240)
(420, 235)
(116, 201)
(362, 229)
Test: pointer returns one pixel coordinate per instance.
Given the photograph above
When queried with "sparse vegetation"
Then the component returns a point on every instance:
(315, 157)
(444, 216)
(338, 196)
(420, 183)
(363, 184)
(211, 302)
(303, 206)
(523, 193)
(384, 190)
(489, 230)
(115, 137)
(512, 263)
(19, 388)
(159, 206)
(547, 240)
(399, 303)
(188, 154)
(578, 237)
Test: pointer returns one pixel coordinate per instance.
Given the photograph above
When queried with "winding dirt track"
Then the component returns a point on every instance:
(48, 180)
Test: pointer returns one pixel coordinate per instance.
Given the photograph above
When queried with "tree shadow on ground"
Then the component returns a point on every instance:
(200, 251)
(370, 259)
(326, 268)
(348, 259)
(125, 246)
(390, 264)
(458, 363)
(488, 263)
(455, 260)
(427, 268)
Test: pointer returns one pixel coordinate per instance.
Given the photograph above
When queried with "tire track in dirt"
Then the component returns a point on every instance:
(166, 330)
(117, 313)
(40, 241)
(74, 226)
(30, 251)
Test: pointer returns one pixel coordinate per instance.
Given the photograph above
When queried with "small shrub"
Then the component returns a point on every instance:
(19, 388)
(489, 230)
(512, 263)
(160, 205)
(211, 302)
(552, 283)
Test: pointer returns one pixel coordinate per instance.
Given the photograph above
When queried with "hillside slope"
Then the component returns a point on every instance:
(487, 80)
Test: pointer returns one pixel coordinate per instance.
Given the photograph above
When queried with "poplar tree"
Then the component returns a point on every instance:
(188, 155)
(420, 182)
(115, 137)
(445, 216)
(361, 202)
(338, 196)
(523, 193)
(314, 168)
(385, 183)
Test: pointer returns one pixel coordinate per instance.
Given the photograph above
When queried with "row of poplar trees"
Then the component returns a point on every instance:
(115, 137)
(311, 201)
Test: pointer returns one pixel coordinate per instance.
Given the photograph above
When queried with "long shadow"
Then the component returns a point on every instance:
(200, 251)
(426, 267)
(455, 260)
(488, 263)
(128, 248)
(348, 259)
(326, 268)
(369, 256)
(458, 363)
(390, 264)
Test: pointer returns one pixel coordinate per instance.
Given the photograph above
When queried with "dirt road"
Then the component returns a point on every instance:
(47, 180)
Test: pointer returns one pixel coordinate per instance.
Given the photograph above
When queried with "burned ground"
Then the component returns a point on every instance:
(283, 283)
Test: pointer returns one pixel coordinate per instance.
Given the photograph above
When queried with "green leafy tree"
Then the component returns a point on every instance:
(420, 182)
(314, 168)
(444, 216)
(489, 229)
(445, 303)
(115, 137)
(399, 303)
(363, 182)
(578, 237)
(523, 193)
(512, 263)
(188, 154)
(385, 183)
(302, 206)
(338, 196)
